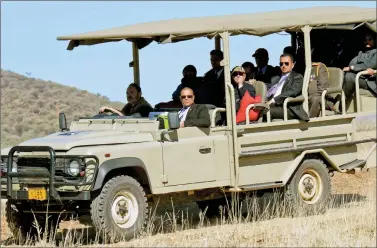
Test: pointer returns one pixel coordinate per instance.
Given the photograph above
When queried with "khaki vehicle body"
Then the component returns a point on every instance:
(191, 162)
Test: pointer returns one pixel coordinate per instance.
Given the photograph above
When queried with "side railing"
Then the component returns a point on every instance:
(357, 88)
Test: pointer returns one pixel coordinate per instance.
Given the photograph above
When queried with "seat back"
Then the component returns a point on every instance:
(260, 89)
(336, 77)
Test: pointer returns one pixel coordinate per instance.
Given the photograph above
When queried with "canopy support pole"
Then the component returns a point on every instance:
(218, 42)
(230, 112)
(308, 66)
(136, 68)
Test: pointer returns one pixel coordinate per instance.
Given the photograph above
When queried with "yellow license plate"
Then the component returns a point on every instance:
(38, 194)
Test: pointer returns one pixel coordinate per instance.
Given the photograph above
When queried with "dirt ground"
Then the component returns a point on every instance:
(343, 185)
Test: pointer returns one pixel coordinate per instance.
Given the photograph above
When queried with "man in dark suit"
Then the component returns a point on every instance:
(240, 87)
(192, 115)
(265, 71)
(289, 84)
(214, 80)
(364, 60)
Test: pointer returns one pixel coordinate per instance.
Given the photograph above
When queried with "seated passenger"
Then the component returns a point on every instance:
(137, 106)
(364, 60)
(264, 71)
(192, 115)
(240, 87)
(250, 71)
(192, 81)
(319, 81)
(214, 80)
(289, 84)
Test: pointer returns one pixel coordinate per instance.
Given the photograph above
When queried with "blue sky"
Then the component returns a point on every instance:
(29, 31)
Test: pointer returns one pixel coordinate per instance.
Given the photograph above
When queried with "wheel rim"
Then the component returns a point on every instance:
(124, 209)
(310, 186)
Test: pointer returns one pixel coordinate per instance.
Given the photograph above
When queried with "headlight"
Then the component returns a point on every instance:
(73, 168)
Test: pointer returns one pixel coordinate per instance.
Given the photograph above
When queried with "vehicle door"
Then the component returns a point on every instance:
(189, 157)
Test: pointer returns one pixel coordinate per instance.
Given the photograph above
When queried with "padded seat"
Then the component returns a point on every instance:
(336, 78)
(365, 93)
(260, 90)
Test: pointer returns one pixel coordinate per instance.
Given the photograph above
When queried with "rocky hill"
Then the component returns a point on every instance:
(30, 106)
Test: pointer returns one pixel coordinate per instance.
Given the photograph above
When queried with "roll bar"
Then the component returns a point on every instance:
(357, 88)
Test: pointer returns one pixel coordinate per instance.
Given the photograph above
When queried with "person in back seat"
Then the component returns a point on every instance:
(137, 106)
(214, 80)
(250, 71)
(192, 81)
(192, 115)
(364, 60)
(289, 84)
(264, 71)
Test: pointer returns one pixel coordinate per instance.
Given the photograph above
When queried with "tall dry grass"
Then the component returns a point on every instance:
(349, 222)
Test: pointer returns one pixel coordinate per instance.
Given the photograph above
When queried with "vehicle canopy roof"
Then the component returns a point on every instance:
(258, 24)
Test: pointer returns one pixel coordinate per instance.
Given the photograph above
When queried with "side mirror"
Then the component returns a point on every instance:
(173, 120)
(62, 122)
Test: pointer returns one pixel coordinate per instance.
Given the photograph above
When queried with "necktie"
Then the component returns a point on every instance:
(272, 91)
(182, 112)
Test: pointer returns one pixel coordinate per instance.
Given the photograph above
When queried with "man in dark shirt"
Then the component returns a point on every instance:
(250, 71)
(195, 83)
(214, 80)
(364, 60)
(137, 106)
(265, 71)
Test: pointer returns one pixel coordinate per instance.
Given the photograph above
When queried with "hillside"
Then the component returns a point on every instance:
(30, 106)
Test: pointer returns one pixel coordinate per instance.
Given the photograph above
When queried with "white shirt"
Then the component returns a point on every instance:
(278, 91)
(183, 113)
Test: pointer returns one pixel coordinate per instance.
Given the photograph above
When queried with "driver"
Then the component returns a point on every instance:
(137, 106)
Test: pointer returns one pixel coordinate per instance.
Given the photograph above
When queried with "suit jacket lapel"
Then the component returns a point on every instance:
(190, 110)
(287, 81)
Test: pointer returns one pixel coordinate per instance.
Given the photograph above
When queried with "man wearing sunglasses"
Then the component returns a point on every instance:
(289, 84)
(192, 115)
(238, 80)
(364, 60)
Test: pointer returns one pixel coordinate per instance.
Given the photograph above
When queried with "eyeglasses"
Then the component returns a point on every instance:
(284, 63)
(187, 96)
(237, 74)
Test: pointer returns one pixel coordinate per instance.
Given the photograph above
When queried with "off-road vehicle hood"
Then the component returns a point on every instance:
(68, 140)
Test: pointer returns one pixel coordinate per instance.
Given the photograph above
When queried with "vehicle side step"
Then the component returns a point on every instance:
(353, 164)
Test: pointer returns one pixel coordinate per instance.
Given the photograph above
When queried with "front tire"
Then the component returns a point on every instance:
(120, 210)
(309, 190)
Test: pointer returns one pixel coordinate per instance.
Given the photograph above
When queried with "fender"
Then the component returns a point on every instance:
(114, 164)
(296, 163)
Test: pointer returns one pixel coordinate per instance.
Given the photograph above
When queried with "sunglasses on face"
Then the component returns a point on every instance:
(237, 74)
(284, 63)
(187, 96)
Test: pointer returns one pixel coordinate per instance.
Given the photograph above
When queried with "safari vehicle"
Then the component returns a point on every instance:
(115, 168)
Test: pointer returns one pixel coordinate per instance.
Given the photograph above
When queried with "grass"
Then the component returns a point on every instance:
(349, 222)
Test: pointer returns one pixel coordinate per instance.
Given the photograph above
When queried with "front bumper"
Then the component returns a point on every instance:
(47, 174)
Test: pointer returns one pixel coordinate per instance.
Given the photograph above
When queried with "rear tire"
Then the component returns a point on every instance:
(120, 211)
(309, 189)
